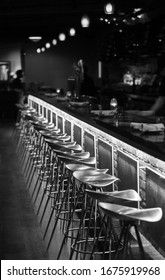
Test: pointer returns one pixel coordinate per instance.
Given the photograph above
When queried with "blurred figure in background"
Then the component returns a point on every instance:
(17, 93)
(87, 84)
(158, 108)
(18, 87)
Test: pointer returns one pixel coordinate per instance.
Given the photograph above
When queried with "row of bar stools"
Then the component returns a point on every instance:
(47, 164)
(61, 196)
(81, 243)
(68, 152)
(42, 162)
(56, 163)
(38, 156)
(53, 189)
(64, 152)
(48, 131)
(127, 216)
(39, 163)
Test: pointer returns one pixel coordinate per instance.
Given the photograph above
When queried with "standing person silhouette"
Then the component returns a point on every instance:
(158, 107)
(87, 84)
(17, 93)
(17, 86)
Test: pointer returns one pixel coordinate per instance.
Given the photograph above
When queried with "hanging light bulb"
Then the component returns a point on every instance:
(54, 42)
(47, 45)
(35, 38)
(38, 50)
(109, 8)
(72, 31)
(62, 37)
(85, 21)
(42, 49)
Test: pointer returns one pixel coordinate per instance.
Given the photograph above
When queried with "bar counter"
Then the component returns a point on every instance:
(150, 143)
(137, 159)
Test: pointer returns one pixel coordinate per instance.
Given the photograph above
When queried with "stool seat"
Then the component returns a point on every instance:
(82, 155)
(31, 117)
(56, 142)
(48, 133)
(130, 217)
(81, 167)
(70, 159)
(68, 147)
(39, 121)
(130, 213)
(58, 137)
(23, 106)
(43, 125)
(91, 160)
(96, 179)
(115, 196)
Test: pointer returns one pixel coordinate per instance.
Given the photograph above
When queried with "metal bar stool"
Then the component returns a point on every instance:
(108, 225)
(68, 160)
(130, 217)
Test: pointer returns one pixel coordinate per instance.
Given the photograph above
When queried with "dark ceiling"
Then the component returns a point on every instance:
(125, 34)
(21, 18)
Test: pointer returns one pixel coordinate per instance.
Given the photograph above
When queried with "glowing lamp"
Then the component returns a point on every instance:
(47, 45)
(62, 37)
(72, 32)
(54, 42)
(35, 38)
(109, 8)
(38, 50)
(85, 21)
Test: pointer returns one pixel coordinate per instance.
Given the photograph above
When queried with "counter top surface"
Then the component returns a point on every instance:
(151, 142)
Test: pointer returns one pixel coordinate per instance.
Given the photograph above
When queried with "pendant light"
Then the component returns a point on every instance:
(85, 21)
(109, 8)
(35, 38)
(62, 37)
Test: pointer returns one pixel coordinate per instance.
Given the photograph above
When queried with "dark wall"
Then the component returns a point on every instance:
(55, 65)
(11, 52)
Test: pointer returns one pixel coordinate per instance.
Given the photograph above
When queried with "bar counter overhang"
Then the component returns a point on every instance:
(138, 163)
(150, 152)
